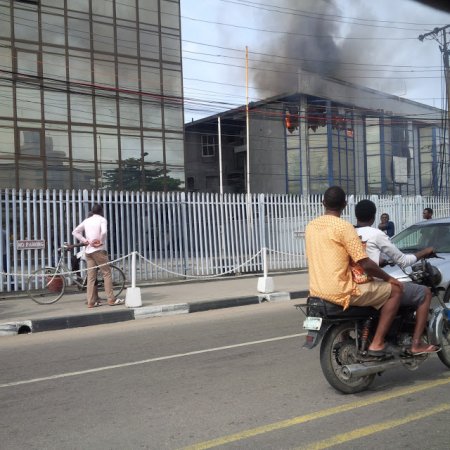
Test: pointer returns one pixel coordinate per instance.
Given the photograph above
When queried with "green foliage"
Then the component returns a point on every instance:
(136, 179)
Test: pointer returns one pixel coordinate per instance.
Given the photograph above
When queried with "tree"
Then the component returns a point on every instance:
(131, 177)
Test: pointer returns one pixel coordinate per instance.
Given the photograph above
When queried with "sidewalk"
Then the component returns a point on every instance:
(20, 315)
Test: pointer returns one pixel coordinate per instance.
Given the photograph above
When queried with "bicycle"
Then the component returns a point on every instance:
(48, 284)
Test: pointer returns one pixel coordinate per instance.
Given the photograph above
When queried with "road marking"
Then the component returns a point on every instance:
(317, 415)
(147, 361)
(376, 428)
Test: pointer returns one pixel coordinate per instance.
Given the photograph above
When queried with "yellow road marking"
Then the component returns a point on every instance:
(376, 428)
(317, 415)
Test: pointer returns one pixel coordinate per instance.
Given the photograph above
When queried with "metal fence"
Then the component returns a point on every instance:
(178, 235)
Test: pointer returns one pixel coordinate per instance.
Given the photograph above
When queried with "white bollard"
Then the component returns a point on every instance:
(133, 297)
(265, 283)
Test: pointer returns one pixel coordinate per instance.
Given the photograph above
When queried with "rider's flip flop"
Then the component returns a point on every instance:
(429, 349)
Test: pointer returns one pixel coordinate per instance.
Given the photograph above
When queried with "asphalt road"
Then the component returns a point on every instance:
(234, 378)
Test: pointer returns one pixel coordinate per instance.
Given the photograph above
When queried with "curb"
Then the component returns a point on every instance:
(100, 318)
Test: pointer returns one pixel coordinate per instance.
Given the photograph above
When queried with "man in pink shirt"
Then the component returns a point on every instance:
(95, 229)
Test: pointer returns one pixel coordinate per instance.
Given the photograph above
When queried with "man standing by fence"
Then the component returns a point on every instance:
(95, 229)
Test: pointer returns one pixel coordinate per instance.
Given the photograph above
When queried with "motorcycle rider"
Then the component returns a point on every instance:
(331, 244)
(416, 295)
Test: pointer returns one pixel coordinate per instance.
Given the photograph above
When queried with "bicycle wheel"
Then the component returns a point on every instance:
(118, 280)
(46, 286)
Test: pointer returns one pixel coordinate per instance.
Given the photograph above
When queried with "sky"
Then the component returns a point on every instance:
(366, 42)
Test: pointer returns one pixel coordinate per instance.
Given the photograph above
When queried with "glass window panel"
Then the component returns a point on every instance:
(25, 21)
(148, 11)
(27, 63)
(128, 76)
(78, 33)
(170, 16)
(54, 66)
(58, 174)
(129, 113)
(126, 9)
(318, 163)
(7, 173)
(107, 148)
(6, 101)
(83, 175)
(55, 106)
(171, 48)
(105, 111)
(53, 29)
(81, 108)
(7, 141)
(28, 103)
(150, 79)
(153, 150)
(5, 58)
(105, 72)
(130, 147)
(56, 144)
(174, 153)
(108, 176)
(80, 69)
(102, 7)
(30, 143)
(173, 118)
(172, 82)
(126, 41)
(31, 174)
(55, 3)
(103, 37)
(78, 5)
(5, 21)
(149, 43)
(151, 115)
(293, 163)
(83, 146)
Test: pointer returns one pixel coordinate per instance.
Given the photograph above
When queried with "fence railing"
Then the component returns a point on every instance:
(179, 235)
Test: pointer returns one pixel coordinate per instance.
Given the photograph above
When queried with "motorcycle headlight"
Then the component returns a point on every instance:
(434, 275)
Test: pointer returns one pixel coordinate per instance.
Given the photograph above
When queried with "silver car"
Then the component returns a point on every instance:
(429, 233)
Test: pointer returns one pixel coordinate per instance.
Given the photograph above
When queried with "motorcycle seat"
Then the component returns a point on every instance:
(324, 308)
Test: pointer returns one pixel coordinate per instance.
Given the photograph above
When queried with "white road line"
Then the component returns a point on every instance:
(147, 361)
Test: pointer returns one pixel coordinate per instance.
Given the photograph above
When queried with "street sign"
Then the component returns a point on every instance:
(30, 245)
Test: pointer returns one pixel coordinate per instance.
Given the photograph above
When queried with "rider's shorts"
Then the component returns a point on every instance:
(375, 294)
(413, 295)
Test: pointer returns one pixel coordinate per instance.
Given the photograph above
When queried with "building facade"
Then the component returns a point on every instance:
(330, 133)
(91, 94)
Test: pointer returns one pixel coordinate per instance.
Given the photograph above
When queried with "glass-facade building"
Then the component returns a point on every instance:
(91, 95)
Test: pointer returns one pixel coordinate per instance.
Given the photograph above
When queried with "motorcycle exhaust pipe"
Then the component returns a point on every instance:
(363, 369)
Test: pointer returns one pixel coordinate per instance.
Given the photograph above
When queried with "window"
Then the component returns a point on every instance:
(209, 145)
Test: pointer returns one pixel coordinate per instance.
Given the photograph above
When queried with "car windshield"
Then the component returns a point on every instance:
(419, 236)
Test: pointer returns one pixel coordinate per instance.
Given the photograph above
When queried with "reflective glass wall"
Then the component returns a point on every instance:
(91, 94)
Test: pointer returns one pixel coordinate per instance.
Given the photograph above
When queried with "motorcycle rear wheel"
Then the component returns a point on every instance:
(337, 350)
(444, 353)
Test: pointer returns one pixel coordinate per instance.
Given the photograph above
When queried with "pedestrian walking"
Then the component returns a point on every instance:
(92, 233)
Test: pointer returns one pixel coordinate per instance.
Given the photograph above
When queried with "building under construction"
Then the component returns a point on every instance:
(330, 132)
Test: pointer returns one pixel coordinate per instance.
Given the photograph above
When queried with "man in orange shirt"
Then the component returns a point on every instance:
(331, 245)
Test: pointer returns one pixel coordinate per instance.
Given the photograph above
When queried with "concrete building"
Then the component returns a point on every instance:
(91, 94)
(329, 132)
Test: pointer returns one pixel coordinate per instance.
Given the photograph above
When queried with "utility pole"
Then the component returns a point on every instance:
(440, 36)
(444, 48)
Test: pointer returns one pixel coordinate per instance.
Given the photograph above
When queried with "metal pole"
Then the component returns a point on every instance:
(247, 121)
(219, 131)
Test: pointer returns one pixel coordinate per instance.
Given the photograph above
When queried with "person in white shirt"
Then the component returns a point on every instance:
(377, 243)
(95, 229)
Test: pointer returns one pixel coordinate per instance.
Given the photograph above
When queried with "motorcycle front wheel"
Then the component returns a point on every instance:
(337, 350)
(444, 353)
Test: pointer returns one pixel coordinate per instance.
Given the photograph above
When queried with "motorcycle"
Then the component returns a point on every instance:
(346, 335)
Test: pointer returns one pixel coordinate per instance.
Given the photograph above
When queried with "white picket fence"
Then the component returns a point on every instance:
(179, 235)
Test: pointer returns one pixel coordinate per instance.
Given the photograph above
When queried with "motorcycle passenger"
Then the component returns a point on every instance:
(332, 244)
(415, 295)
